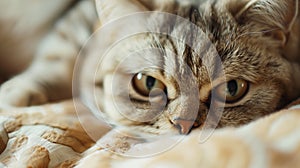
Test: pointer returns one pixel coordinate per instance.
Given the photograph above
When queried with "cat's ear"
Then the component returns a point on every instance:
(275, 16)
(109, 10)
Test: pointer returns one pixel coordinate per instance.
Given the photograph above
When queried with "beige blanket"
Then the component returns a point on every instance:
(54, 136)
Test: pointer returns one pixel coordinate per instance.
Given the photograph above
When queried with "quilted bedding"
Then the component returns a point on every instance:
(53, 135)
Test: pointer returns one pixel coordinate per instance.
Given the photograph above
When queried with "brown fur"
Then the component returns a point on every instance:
(257, 41)
(251, 38)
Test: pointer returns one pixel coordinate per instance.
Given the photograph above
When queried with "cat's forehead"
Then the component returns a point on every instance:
(218, 38)
(212, 33)
(200, 35)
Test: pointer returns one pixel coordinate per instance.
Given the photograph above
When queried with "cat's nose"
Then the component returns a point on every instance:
(184, 126)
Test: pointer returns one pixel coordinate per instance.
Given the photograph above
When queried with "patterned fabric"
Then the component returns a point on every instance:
(52, 136)
(42, 136)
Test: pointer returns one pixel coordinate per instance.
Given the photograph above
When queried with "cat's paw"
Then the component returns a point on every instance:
(21, 91)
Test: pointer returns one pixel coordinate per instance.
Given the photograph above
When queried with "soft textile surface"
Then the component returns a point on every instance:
(52, 136)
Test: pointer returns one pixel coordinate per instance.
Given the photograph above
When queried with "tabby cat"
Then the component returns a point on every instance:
(257, 42)
(174, 86)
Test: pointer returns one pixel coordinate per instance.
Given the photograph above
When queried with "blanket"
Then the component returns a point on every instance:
(56, 135)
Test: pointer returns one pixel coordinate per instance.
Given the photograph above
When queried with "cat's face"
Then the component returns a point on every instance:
(158, 84)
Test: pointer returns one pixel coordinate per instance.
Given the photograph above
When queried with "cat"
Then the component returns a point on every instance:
(258, 45)
(257, 41)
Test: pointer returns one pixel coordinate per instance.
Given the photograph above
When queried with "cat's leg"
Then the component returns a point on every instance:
(50, 75)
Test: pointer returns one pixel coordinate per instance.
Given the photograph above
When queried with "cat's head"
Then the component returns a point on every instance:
(156, 83)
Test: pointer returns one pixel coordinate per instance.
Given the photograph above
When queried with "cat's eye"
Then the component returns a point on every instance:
(144, 85)
(233, 90)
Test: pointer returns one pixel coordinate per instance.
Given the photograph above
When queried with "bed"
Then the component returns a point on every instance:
(54, 135)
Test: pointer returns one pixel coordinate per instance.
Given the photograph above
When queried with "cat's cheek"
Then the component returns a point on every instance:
(111, 112)
(108, 111)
